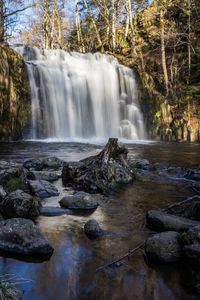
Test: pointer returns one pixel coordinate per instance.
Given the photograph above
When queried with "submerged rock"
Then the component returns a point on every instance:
(164, 247)
(42, 188)
(19, 204)
(22, 237)
(43, 175)
(160, 221)
(51, 211)
(102, 172)
(80, 200)
(92, 229)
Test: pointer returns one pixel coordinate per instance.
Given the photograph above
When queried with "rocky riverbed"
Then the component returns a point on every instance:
(87, 229)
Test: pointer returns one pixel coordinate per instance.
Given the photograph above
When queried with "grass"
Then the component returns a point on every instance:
(8, 287)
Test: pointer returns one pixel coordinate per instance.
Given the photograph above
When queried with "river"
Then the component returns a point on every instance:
(70, 272)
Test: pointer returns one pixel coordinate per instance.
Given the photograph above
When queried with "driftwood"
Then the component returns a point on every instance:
(131, 252)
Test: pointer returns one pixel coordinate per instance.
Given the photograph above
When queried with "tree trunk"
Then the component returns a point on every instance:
(163, 54)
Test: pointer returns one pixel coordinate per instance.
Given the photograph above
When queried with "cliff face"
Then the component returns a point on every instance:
(14, 95)
(167, 59)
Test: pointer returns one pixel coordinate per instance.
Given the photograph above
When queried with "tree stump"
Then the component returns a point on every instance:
(102, 172)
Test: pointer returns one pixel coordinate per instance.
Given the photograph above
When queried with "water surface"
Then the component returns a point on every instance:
(70, 273)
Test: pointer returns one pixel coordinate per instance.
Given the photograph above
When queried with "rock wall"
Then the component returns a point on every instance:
(14, 95)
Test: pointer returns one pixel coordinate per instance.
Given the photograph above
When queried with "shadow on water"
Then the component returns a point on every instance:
(70, 273)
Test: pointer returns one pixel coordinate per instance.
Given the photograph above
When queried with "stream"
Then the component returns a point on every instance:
(70, 272)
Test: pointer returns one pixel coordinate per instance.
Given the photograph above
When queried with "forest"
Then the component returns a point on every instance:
(99, 149)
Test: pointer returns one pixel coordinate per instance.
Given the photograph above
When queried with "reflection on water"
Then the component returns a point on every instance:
(70, 273)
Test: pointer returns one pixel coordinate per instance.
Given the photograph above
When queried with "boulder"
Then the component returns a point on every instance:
(22, 237)
(160, 221)
(42, 188)
(43, 175)
(80, 200)
(19, 204)
(92, 229)
(100, 173)
(164, 247)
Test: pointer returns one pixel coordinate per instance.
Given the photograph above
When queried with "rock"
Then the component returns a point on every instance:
(13, 179)
(80, 200)
(92, 229)
(39, 164)
(191, 244)
(189, 208)
(142, 164)
(42, 188)
(2, 192)
(19, 204)
(43, 175)
(7, 174)
(52, 163)
(164, 247)
(101, 173)
(22, 237)
(160, 221)
(50, 211)
(33, 164)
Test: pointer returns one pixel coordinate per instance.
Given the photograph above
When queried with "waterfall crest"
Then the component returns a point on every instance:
(81, 96)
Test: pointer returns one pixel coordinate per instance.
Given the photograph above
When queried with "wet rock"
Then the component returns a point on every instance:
(52, 163)
(191, 244)
(7, 174)
(33, 164)
(39, 164)
(142, 164)
(92, 229)
(160, 221)
(80, 200)
(50, 211)
(2, 192)
(164, 247)
(19, 204)
(22, 237)
(42, 188)
(101, 173)
(189, 208)
(43, 175)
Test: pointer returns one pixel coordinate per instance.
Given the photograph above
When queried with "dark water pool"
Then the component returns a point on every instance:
(70, 273)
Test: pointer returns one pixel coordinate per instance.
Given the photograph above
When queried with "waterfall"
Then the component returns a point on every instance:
(78, 95)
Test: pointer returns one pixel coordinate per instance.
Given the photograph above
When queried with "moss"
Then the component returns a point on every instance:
(14, 184)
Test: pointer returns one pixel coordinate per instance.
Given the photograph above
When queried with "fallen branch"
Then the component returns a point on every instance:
(180, 203)
(120, 259)
(195, 190)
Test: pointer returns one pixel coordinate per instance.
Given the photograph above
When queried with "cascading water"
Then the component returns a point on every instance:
(81, 96)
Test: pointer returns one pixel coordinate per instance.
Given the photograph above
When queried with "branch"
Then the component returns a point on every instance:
(120, 259)
(19, 10)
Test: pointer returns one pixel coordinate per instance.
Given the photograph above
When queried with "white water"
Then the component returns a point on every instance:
(81, 96)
